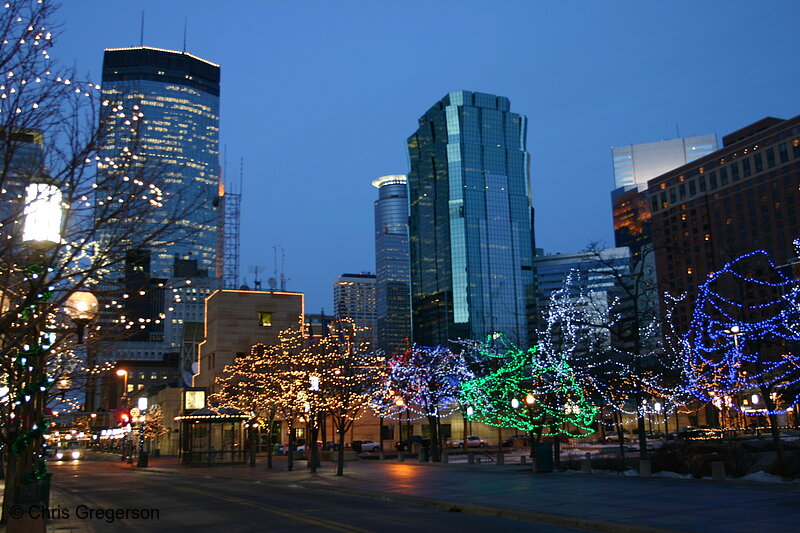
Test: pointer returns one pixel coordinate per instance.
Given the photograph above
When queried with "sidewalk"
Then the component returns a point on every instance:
(599, 503)
(59, 499)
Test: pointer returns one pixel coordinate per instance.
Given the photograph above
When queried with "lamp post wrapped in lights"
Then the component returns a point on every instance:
(41, 232)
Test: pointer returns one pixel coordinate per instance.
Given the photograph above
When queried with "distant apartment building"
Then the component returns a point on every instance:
(354, 297)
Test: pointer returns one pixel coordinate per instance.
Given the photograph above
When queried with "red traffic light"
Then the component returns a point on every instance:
(124, 417)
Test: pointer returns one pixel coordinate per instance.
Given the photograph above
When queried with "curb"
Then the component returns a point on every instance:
(540, 517)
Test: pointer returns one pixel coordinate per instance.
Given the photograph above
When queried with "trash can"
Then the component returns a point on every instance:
(142, 460)
(543, 455)
(279, 449)
(424, 454)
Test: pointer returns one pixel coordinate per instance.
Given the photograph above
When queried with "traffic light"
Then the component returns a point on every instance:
(124, 417)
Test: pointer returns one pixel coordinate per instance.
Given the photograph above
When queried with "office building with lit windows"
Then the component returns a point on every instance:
(741, 198)
(178, 96)
(470, 223)
(392, 291)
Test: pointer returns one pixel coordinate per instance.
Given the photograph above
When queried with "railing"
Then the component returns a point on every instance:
(215, 457)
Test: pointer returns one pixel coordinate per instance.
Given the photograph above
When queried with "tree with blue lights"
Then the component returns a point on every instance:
(742, 351)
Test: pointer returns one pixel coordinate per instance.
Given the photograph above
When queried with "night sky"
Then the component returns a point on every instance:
(320, 97)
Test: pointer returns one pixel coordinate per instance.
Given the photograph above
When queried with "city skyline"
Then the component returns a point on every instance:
(589, 77)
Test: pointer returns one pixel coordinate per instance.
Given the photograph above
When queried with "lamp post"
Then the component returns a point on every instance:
(735, 331)
(124, 374)
(82, 307)
(29, 382)
(141, 404)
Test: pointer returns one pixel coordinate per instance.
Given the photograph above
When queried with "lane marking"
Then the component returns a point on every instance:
(328, 524)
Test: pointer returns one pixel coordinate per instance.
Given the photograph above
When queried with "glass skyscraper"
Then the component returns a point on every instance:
(178, 95)
(393, 303)
(470, 221)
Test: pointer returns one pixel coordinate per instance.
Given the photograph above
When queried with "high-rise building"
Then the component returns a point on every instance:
(177, 94)
(634, 165)
(740, 198)
(354, 297)
(470, 223)
(392, 291)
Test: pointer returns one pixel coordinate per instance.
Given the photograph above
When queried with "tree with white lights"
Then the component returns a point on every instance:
(54, 206)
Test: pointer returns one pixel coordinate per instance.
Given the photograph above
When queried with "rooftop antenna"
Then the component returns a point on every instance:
(141, 31)
(185, 24)
(256, 279)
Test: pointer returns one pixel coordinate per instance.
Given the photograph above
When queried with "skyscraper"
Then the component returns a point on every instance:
(470, 223)
(392, 296)
(178, 96)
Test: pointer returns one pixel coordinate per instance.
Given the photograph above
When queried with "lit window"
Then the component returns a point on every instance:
(264, 318)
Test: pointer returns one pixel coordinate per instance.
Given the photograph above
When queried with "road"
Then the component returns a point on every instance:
(178, 502)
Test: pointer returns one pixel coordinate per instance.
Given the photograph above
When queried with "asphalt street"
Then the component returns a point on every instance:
(156, 502)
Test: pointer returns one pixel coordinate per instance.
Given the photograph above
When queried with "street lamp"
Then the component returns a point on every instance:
(124, 374)
(81, 307)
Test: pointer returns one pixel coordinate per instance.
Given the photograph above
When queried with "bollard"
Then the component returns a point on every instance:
(381, 456)
(718, 471)
(522, 460)
(644, 468)
(501, 459)
(470, 458)
(586, 464)
(401, 456)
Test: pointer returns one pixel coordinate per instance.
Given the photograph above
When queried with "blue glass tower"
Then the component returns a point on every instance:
(470, 223)
(178, 96)
(393, 303)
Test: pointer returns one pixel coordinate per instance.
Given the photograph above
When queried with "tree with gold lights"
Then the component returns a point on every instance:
(347, 372)
(266, 384)
(67, 222)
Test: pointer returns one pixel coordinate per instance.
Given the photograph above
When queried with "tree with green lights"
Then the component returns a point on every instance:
(529, 392)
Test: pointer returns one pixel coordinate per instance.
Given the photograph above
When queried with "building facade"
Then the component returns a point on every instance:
(354, 297)
(470, 221)
(392, 289)
(236, 320)
(738, 199)
(177, 137)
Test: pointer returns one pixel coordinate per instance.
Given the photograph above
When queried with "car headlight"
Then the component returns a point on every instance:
(59, 456)
(76, 455)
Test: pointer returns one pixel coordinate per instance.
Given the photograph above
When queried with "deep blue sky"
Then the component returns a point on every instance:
(319, 98)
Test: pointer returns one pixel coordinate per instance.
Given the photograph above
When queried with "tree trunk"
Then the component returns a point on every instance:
(620, 440)
(313, 454)
(290, 451)
(640, 427)
(773, 422)
(10, 485)
(434, 439)
(340, 457)
(269, 443)
(556, 447)
(252, 437)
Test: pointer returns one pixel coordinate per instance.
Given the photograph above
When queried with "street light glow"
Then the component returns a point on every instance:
(42, 213)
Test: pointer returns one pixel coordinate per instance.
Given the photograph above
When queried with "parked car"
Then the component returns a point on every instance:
(366, 446)
(654, 434)
(408, 444)
(510, 441)
(613, 436)
(473, 441)
(699, 433)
